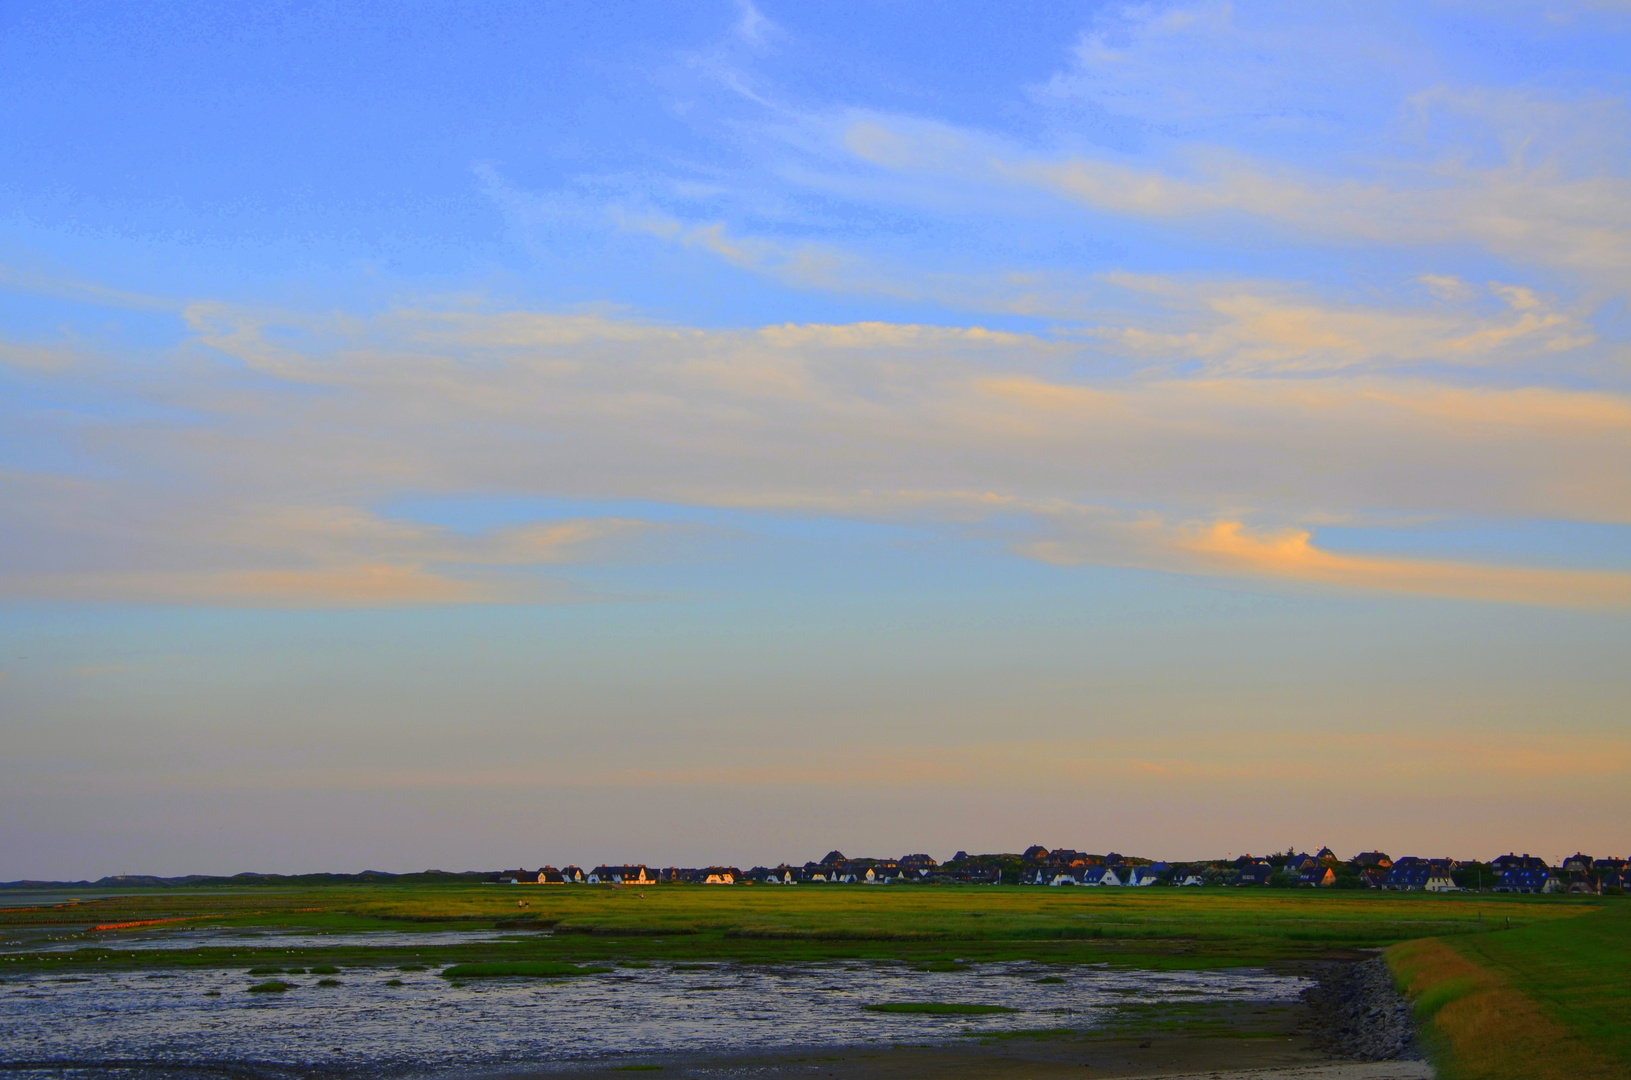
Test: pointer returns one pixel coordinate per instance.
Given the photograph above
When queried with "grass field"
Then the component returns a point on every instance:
(1146, 927)
(1549, 1000)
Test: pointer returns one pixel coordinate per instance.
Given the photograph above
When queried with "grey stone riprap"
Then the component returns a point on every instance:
(1359, 1013)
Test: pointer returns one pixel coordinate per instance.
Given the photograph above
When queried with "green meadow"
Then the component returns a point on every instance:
(1507, 985)
(1157, 927)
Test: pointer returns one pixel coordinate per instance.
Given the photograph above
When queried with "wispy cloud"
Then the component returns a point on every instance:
(1224, 469)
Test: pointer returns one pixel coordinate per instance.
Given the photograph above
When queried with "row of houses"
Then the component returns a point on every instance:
(1065, 866)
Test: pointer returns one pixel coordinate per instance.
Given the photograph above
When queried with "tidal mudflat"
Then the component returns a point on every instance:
(382, 1020)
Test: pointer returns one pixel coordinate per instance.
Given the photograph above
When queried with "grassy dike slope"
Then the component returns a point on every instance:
(1549, 1000)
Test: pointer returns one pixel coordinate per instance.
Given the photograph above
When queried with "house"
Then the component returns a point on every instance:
(1367, 859)
(1191, 879)
(573, 875)
(550, 876)
(1577, 864)
(1257, 872)
(1374, 877)
(1101, 875)
(1320, 875)
(1525, 879)
(720, 875)
(1414, 874)
(1141, 875)
(1326, 856)
(621, 875)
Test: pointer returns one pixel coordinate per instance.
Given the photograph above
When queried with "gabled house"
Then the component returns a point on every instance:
(1320, 875)
(1414, 873)
(1577, 864)
(1256, 873)
(621, 875)
(1366, 859)
(1525, 879)
(1141, 876)
(550, 876)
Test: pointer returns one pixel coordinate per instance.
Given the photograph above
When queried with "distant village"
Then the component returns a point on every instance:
(1510, 873)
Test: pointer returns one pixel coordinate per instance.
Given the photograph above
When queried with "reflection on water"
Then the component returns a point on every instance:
(426, 1024)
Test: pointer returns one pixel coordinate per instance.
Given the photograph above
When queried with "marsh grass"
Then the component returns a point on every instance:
(921, 924)
(271, 986)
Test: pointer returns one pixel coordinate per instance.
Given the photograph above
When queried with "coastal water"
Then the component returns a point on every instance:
(163, 1022)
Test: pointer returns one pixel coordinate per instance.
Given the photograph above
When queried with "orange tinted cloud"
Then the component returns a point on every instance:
(1228, 547)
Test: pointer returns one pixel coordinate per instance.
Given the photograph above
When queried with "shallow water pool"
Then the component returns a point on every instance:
(428, 1024)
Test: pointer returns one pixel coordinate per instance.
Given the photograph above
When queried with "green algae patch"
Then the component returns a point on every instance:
(271, 986)
(937, 1008)
(520, 969)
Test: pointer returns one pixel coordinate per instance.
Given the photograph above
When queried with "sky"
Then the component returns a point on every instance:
(477, 435)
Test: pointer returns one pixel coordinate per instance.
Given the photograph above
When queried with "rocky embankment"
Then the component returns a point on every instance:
(1358, 1013)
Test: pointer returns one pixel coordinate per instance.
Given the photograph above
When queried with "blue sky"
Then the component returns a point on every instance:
(523, 432)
